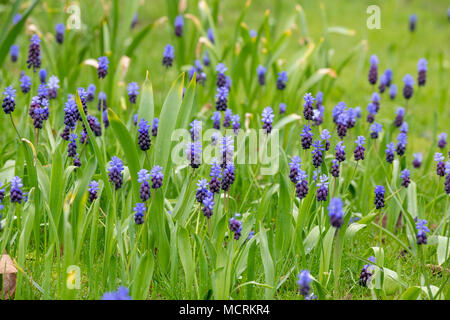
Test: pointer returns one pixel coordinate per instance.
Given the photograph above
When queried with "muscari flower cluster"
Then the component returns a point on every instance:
(90, 93)
(261, 72)
(406, 178)
(308, 106)
(115, 172)
(60, 28)
(14, 52)
(366, 273)
(236, 227)
(373, 71)
(335, 212)
(304, 283)
(93, 190)
(102, 69)
(9, 100)
(144, 189)
(102, 105)
(322, 191)
(16, 190)
(72, 150)
(379, 197)
(34, 53)
(133, 91)
(422, 231)
(144, 140)
(25, 82)
(168, 56)
(42, 75)
(267, 119)
(359, 150)
(121, 294)
(282, 79)
(179, 23)
(440, 165)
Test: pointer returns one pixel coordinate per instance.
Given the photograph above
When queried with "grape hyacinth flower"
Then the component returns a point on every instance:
(372, 111)
(216, 119)
(135, 119)
(412, 22)
(155, 127)
(405, 176)
(373, 71)
(379, 197)
(25, 82)
(376, 101)
(306, 137)
(440, 165)
(90, 93)
(282, 108)
(447, 178)
(94, 124)
(222, 98)
(317, 153)
(402, 140)
(102, 69)
(261, 72)
(359, 150)
(40, 114)
(227, 118)
(210, 34)
(304, 282)
(115, 172)
(102, 105)
(351, 115)
(14, 52)
(400, 113)
(342, 124)
(121, 294)
(236, 228)
(294, 168)
(60, 28)
(422, 231)
(93, 190)
(393, 91)
(168, 56)
(366, 273)
(139, 212)
(105, 119)
(133, 91)
(340, 151)
(267, 119)
(53, 86)
(226, 151)
(319, 99)
(383, 83)
(228, 177)
(442, 140)
(390, 149)
(65, 133)
(408, 90)
(34, 53)
(325, 136)
(70, 113)
(42, 91)
(335, 168)
(194, 154)
(417, 162)
(208, 205)
(2, 192)
(196, 130)
(206, 60)
(308, 106)
(42, 75)
(336, 213)
(72, 146)
(337, 110)
(9, 101)
(16, 190)
(375, 129)
(16, 18)
(216, 175)
(422, 67)
(235, 123)
(214, 138)
(157, 177)
(282, 79)
(144, 189)
(322, 191)
(179, 23)
(144, 140)
(202, 190)
(404, 127)
(358, 112)
(221, 78)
